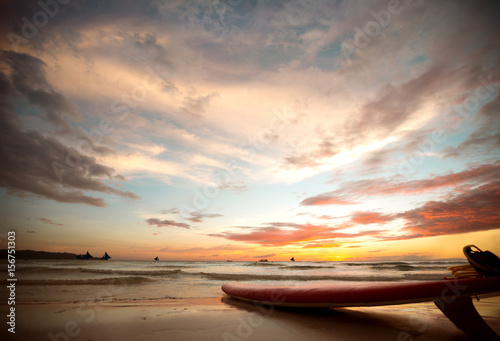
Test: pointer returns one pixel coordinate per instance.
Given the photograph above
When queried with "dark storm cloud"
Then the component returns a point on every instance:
(29, 79)
(28, 156)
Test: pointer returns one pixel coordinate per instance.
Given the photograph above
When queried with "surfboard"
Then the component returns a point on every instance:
(359, 295)
(452, 297)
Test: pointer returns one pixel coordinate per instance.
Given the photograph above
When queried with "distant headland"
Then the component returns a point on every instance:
(31, 254)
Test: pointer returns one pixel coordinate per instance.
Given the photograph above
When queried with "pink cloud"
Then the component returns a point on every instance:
(470, 211)
(354, 191)
(280, 234)
(326, 199)
(475, 210)
(365, 218)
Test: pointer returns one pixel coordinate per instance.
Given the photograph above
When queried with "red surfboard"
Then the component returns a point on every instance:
(452, 297)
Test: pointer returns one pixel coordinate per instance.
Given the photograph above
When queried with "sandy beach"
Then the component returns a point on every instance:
(227, 319)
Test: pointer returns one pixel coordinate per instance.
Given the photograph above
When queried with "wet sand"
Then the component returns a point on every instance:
(227, 319)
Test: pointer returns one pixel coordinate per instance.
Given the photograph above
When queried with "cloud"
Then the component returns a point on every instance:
(34, 164)
(325, 149)
(470, 211)
(461, 212)
(405, 91)
(284, 233)
(396, 105)
(196, 106)
(235, 186)
(170, 211)
(166, 223)
(138, 164)
(265, 256)
(147, 45)
(48, 221)
(327, 217)
(365, 218)
(198, 216)
(28, 158)
(230, 68)
(322, 245)
(354, 191)
(28, 78)
(224, 247)
(387, 115)
(195, 216)
(326, 199)
(485, 140)
(471, 205)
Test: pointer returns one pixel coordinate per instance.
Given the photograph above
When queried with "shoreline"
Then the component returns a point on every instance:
(224, 318)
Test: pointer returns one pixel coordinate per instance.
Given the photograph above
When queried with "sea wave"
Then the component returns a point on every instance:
(290, 267)
(100, 271)
(279, 265)
(308, 267)
(40, 269)
(371, 264)
(445, 262)
(99, 281)
(423, 264)
(133, 272)
(399, 267)
(256, 277)
(426, 277)
(437, 267)
(169, 267)
(403, 266)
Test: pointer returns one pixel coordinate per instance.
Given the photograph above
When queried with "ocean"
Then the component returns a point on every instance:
(52, 281)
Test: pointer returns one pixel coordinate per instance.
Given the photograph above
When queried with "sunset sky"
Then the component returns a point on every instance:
(234, 129)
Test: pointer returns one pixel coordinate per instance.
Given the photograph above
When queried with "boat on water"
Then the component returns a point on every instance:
(85, 256)
(89, 256)
(156, 258)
